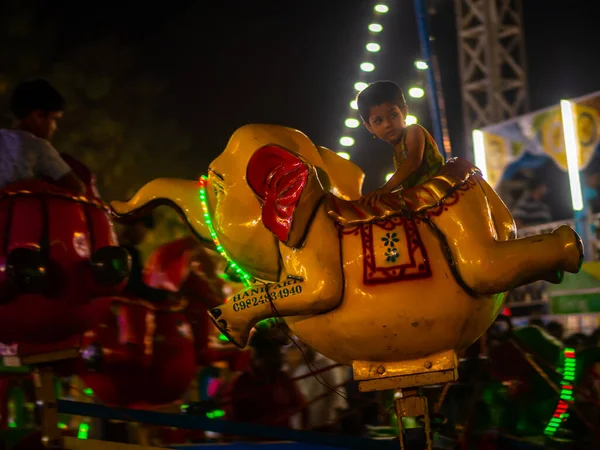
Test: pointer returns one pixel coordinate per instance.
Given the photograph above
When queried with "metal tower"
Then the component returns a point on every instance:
(492, 61)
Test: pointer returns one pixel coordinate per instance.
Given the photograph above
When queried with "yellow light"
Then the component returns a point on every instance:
(388, 176)
(344, 155)
(373, 47)
(410, 119)
(572, 149)
(360, 85)
(381, 9)
(352, 123)
(353, 103)
(367, 67)
(416, 92)
(346, 141)
(479, 152)
(375, 28)
(421, 65)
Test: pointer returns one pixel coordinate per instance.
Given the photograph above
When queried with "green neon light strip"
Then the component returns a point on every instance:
(82, 433)
(245, 276)
(561, 413)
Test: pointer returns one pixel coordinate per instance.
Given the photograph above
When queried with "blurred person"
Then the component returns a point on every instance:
(25, 150)
(591, 185)
(531, 209)
(263, 393)
(511, 189)
(556, 330)
(325, 404)
(577, 341)
(536, 322)
(594, 339)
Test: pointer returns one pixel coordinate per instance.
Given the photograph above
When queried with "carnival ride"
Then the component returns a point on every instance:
(304, 196)
(63, 311)
(446, 255)
(115, 349)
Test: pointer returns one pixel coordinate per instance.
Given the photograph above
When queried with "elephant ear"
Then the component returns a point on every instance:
(289, 190)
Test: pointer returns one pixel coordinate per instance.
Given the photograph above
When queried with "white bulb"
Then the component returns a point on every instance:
(416, 92)
(375, 28)
(352, 123)
(410, 120)
(367, 67)
(344, 155)
(421, 65)
(381, 9)
(346, 141)
(353, 103)
(360, 86)
(373, 47)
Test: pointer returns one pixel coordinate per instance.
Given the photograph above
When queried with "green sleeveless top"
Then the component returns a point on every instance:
(432, 162)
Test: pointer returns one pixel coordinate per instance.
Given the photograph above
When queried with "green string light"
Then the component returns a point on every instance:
(82, 432)
(215, 414)
(244, 276)
(561, 413)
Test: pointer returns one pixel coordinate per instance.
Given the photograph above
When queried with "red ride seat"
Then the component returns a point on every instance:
(59, 260)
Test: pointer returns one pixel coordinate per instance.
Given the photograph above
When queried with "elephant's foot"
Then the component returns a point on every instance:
(232, 324)
(573, 248)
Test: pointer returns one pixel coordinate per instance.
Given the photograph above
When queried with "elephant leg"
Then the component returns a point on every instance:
(506, 228)
(315, 285)
(292, 297)
(488, 265)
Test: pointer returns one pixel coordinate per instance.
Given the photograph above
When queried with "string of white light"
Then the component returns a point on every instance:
(367, 69)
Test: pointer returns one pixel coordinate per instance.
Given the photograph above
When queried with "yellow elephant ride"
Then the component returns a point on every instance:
(407, 284)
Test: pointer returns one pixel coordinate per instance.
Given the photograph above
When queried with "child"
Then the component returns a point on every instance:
(25, 151)
(383, 110)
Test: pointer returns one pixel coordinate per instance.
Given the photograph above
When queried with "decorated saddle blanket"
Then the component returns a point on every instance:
(455, 176)
(391, 249)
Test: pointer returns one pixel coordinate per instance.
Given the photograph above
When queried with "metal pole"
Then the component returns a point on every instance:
(423, 25)
(446, 145)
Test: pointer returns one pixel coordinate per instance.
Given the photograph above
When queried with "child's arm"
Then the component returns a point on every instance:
(415, 147)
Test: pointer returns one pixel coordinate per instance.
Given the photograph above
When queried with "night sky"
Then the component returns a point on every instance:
(295, 62)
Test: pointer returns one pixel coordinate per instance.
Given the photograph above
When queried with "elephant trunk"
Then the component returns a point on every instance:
(181, 195)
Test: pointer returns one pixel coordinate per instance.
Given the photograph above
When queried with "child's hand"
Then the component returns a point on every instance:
(372, 198)
(382, 195)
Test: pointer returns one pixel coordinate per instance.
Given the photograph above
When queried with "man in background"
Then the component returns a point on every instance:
(531, 209)
(25, 150)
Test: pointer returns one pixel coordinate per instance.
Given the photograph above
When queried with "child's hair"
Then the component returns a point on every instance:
(376, 94)
(35, 95)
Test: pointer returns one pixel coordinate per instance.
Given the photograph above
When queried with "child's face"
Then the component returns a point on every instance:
(43, 124)
(386, 121)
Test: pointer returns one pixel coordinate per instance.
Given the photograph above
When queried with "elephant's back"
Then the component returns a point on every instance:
(401, 299)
